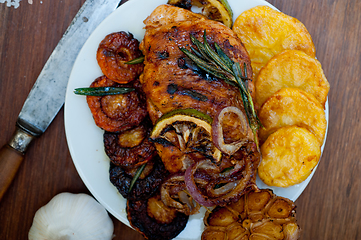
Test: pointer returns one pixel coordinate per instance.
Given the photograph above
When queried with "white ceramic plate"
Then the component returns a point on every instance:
(85, 139)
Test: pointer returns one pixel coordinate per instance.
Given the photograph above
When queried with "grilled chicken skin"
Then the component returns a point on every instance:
(168, 81)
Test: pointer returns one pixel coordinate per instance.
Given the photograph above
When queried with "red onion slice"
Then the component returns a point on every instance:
(192, 187)
(173, 195)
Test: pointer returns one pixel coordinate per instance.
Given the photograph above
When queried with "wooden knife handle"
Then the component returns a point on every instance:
(10, 160)
(11, 156)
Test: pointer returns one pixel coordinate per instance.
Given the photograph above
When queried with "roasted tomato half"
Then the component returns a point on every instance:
(145, 186)
(116, 113)
(130, 148)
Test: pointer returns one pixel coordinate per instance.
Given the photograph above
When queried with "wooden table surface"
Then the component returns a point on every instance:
(330, 206)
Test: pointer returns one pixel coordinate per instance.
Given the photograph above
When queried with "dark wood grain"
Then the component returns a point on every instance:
(329, 208)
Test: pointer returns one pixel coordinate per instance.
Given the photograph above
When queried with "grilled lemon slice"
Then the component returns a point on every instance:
(218, 10)
(183, 136)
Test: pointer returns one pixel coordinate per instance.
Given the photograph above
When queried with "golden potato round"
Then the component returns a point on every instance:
(292, 106)
(266, 32)
(292, 69)
(288, 156)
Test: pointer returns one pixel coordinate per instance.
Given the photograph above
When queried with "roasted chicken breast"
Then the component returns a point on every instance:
(167, 80)
(172, 81)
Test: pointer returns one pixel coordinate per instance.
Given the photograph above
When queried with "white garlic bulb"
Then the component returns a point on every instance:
(71, 216)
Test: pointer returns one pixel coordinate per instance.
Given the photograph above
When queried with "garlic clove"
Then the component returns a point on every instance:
(71, 216)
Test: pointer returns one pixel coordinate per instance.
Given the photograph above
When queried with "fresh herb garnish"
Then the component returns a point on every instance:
(136, 176)
(102, 91)
(136, 60)
(217, 63)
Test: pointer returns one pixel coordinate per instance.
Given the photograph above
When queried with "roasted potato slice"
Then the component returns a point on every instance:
(291, 106)
(266, 32)
(288, 156)
(259, 214)
(292, 69)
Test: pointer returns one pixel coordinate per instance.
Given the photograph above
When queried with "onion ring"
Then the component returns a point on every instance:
(241, 182)
(174, 189)
(192, 187)
(217, 131)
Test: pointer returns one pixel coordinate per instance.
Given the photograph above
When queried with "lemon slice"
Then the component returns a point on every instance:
(218, 10)
(190, 131)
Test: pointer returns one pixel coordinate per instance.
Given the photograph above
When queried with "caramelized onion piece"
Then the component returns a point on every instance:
(218, 130)
(174, 194)
(239, 182)
(192, 187)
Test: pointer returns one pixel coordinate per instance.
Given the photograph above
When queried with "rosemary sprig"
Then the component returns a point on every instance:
(136, 176)
(102, 91)
(218, 64)
(136, 60)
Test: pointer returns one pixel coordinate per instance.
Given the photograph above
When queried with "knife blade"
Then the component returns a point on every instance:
(47, 96)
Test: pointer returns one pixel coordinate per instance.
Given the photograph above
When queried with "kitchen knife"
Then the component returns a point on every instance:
(48, 93)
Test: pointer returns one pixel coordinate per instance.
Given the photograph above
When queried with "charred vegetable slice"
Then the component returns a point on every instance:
(154, 220)
(120, 112)
(130, 148)
(145, 186)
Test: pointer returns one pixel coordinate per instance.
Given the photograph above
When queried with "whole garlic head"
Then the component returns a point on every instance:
(71, 216)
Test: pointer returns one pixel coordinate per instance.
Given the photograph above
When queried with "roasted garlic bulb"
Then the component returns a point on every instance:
(257, 215)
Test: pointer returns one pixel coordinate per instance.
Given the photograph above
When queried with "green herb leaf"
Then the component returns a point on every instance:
(205, 65)
(102, 91)
(214, 56)
(221, 66)
(224, 56)
(136, 176)
(136, 60)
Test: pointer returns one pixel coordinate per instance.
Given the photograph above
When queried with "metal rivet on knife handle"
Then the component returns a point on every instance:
(11, 156)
